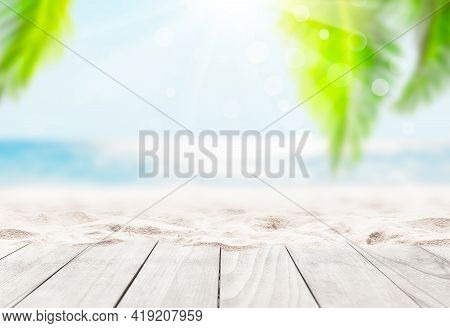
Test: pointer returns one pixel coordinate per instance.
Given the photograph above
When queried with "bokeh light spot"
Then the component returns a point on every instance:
(324, 34)
(357, 41)
(301, 13)
(380, 87)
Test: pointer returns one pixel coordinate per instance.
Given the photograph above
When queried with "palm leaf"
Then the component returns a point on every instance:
(432, 70)
(23, 47)
(346, 109)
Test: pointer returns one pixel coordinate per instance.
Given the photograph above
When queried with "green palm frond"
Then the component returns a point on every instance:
(346, 109)
(432, 70)
(23, 47)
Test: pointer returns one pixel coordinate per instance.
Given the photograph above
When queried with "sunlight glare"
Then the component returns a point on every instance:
(229, 13)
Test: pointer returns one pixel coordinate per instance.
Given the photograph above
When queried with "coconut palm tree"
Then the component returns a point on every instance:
(347, 50)
(23, 47)
(345, 58)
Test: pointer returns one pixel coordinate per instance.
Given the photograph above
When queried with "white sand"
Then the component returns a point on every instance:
(233, 218)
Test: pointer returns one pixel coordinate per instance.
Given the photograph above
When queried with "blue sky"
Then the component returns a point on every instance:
(205, 68)
(208, 67)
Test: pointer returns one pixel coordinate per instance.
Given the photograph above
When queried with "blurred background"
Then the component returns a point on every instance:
(224, 65)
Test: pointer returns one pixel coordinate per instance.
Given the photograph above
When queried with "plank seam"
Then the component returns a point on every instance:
(402, 262)
(303, 278)
(382, 272)
(219, 280)
(404, 278)
(134, 277)
(347, 240)
(18, 249)
(49, 277)
(434, 254)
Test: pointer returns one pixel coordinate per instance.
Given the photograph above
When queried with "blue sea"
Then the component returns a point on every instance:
(47, 162)
(25, 162)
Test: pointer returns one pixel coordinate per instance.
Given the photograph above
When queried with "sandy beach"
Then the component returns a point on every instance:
(230, 217)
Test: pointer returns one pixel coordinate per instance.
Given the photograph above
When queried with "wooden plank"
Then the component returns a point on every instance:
(7, 249)
(427, 274)
(23, 271)
(339, 276)
(262, 277)
(440, 251)
(176, 276)
(97, 278)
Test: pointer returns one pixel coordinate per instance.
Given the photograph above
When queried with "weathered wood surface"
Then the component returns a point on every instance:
(7, 249)
(140, 274)
(339, 276)
(176, 276)
(27, 269)
(262, 277)
(97, 278)
(423, 276)
(441, 251)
